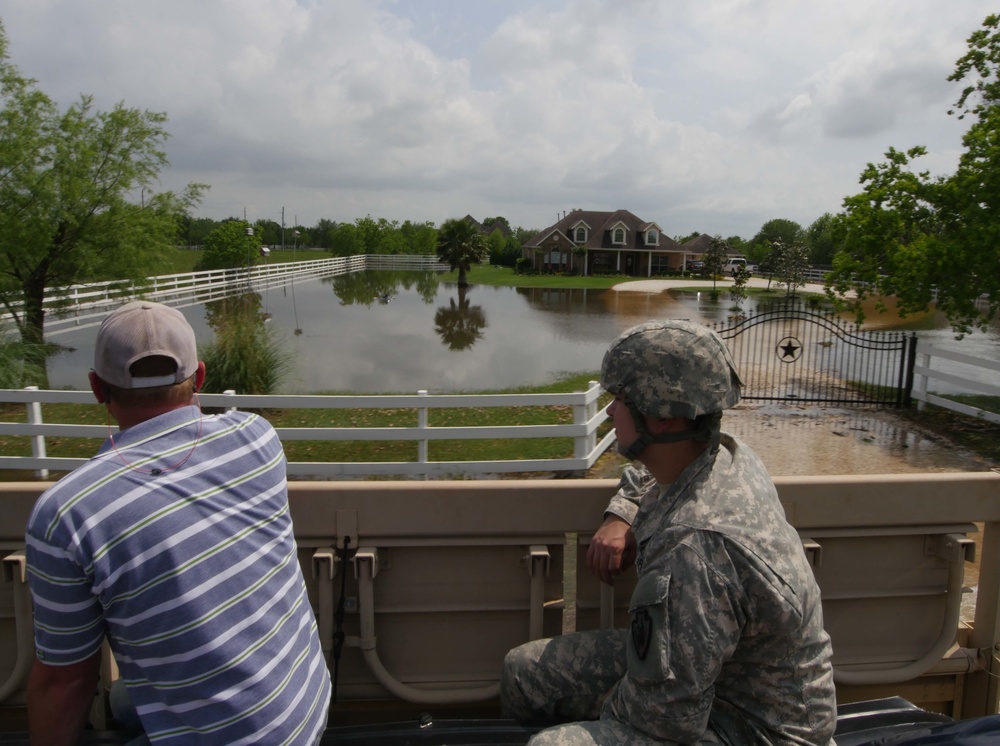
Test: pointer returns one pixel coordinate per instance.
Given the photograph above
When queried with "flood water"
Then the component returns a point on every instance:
(378, 332)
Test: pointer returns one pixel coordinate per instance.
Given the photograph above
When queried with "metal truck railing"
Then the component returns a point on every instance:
(444, 577)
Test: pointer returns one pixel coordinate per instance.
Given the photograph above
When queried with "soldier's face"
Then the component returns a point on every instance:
(620, 415)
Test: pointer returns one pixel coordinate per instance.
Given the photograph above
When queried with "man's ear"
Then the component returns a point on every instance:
(99, 388)
(199, 377)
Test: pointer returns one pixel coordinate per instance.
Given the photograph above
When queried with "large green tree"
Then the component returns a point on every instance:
(235, 243)
(920, 239)
(779, 230)
(76, 196)
(819, 240)
(419, 238)
(461, 245)
(322, 233)
(344, 240)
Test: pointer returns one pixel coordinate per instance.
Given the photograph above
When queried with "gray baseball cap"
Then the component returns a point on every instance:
(138, 330)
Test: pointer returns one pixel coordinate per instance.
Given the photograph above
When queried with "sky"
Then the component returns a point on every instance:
(712, 116)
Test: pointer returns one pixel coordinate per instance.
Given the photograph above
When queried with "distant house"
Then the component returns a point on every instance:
(592, 242)
(487, 228)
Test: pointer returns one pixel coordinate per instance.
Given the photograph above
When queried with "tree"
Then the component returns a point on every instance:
(69, 186)
(269, 231)
(379, 236)
(819, 240)
(788, 265)
(738, 292)
(715, 258)
(344, 240)
(461, 245)
(496, 244)
(322, 233)
(786, 231)
(230, 246)
(738, 244)
(419, 238)
(924, 240)
(192, 231)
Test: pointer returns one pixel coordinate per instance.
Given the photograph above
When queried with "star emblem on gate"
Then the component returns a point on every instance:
(789, 350)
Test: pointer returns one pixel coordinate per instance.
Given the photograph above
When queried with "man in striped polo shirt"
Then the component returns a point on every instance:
(174, 542)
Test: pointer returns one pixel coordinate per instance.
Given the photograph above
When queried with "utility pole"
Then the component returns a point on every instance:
(282, 228)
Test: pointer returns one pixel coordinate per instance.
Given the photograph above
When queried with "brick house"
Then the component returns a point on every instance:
(592, 242)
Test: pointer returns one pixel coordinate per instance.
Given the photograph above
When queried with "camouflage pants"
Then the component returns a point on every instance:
(565, 679)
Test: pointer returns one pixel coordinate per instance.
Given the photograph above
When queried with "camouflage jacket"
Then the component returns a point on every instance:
(726, 623)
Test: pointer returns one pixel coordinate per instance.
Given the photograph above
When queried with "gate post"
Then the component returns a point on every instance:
(911, 361)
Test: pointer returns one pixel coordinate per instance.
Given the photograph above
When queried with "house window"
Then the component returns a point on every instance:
(581, 234)
(659, 264)
(600, 261)
(618, 236)
(651, 237)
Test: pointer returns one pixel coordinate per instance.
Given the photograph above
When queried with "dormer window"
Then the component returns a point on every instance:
(580, 235)
(618, 236)
(652, 237)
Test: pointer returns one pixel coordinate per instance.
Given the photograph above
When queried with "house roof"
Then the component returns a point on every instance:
(599, 227)
(698, 244)
(488, 228)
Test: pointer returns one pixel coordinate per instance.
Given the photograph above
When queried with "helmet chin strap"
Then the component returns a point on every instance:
(709, 429)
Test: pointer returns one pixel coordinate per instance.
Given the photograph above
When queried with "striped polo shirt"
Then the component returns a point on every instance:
(176, 542)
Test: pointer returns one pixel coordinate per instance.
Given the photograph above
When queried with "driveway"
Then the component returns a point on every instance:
(658, 285)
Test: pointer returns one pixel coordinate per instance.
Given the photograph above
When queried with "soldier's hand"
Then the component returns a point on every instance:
(612, 550)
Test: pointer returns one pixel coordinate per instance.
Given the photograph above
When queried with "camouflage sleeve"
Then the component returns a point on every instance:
(634, 483)
(685, 623)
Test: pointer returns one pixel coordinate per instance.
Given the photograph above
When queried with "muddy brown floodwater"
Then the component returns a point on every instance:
(797, 441)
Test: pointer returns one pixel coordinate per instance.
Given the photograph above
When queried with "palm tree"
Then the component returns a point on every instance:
(461, 245)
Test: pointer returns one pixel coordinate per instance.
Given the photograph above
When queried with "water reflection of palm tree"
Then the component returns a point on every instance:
(460, 325)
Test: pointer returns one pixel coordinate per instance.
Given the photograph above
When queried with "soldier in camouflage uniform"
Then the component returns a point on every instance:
(726, 642)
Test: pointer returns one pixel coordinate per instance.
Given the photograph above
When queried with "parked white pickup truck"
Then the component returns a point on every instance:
(734, 262)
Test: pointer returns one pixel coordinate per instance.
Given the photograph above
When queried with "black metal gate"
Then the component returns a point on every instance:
(789, 353)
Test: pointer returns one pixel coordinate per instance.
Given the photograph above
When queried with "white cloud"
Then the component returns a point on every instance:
(712, 116)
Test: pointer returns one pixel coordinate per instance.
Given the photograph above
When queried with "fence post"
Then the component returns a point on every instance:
(583, 444)
(921, 380)
(422, 424)
(229, 392)
(37, 441)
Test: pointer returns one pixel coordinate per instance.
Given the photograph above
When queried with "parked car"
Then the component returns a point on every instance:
(695, 265)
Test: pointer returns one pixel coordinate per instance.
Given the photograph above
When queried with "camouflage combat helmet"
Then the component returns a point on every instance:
(672, 369)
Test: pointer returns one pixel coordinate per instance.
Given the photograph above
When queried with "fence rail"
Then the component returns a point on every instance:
(970, 374)
(588, 416)
(80, 306)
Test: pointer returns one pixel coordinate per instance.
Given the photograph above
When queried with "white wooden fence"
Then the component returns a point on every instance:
(587, 418)
(80, 306)
(969, 374)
